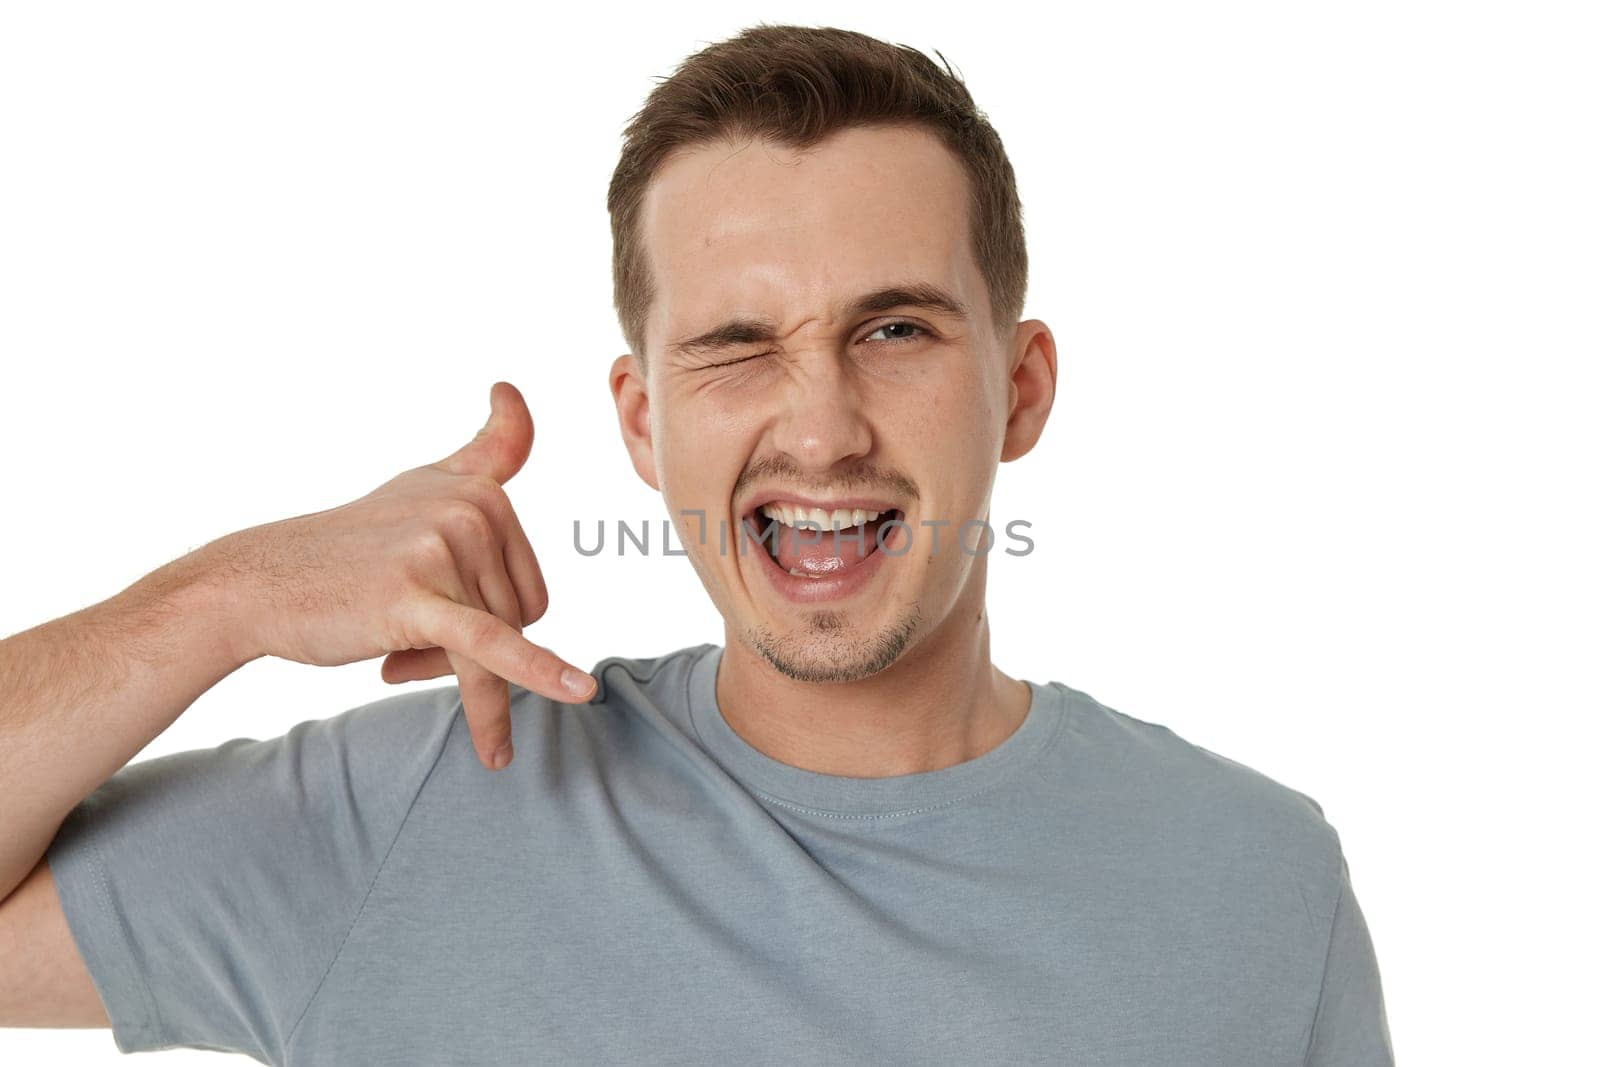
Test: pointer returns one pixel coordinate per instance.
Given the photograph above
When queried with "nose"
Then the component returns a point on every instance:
(823, 418)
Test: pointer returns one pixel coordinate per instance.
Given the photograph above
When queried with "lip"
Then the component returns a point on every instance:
(847, 583)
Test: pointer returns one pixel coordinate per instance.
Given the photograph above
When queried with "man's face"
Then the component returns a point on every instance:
(899, 410)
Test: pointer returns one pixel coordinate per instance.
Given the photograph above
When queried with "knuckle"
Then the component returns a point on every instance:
(480, 487)
(491, 498)
(499, 504)
(482, 629)
(486, 494)
(407, 627)
(430, 550)
(466, 518)
(477, 481)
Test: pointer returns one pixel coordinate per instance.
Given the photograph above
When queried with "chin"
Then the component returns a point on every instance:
(826, 647)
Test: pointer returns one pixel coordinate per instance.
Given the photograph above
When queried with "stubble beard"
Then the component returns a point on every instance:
(828, 649)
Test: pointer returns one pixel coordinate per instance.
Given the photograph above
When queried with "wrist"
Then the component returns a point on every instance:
(199, 596)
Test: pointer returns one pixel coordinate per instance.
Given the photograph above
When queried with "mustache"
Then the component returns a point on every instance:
(861, 477)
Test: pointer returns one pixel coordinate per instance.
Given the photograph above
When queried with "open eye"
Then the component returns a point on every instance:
(903, 325)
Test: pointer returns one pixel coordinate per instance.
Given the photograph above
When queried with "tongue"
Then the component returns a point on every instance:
(814, 551)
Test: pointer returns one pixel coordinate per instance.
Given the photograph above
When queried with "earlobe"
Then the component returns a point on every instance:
(1032, 389)
(630, 393)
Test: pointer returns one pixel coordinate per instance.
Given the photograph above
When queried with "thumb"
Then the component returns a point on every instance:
(501, 447)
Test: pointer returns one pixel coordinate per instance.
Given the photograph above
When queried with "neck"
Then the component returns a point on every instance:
(941, 703)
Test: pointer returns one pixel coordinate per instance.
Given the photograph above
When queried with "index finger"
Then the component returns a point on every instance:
(493, 644)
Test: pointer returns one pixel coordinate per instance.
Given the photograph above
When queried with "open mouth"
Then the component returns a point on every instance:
(818, 543)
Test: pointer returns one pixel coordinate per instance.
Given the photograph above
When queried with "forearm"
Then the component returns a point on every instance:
(81, 695)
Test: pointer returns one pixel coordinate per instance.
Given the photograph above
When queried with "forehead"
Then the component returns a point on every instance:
(753, 227)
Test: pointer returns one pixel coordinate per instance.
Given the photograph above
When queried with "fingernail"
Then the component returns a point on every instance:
(576, 682)
(502, 756)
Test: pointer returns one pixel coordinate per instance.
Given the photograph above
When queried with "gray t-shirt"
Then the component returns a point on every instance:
(644, 886)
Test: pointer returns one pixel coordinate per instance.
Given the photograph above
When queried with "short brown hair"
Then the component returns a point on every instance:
(793, 86)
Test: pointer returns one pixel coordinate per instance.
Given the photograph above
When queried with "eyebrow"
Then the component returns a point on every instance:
(748, 331)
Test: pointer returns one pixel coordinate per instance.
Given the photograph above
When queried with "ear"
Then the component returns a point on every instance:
(628, 389)
(1032, 388)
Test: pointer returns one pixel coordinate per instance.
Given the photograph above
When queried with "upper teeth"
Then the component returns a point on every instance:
(838, 519)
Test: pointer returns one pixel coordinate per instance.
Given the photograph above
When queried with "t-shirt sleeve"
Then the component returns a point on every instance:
(209, 891)
(1351, 1028)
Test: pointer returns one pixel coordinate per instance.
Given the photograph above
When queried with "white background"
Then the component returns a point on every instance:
(1318, 492)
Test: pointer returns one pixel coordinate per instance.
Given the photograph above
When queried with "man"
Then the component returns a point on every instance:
(842, 836)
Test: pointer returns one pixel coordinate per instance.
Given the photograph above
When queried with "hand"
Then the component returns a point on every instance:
(432, 567)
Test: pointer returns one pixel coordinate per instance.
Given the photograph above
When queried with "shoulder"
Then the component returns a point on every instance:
(1194, 797)
(655, 672)
(636, 695)
(627, 675)
(379, 751)
(392, 740)
(627, 684)
(408, 715)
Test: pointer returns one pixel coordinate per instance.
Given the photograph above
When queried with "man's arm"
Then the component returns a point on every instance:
(432, 567)
(48, 983)
(81, 695)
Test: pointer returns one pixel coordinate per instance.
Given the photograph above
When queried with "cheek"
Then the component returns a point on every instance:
(948, 435)
(701, 446)
(950, 417)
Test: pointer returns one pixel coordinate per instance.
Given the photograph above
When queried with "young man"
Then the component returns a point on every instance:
(842, 836)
